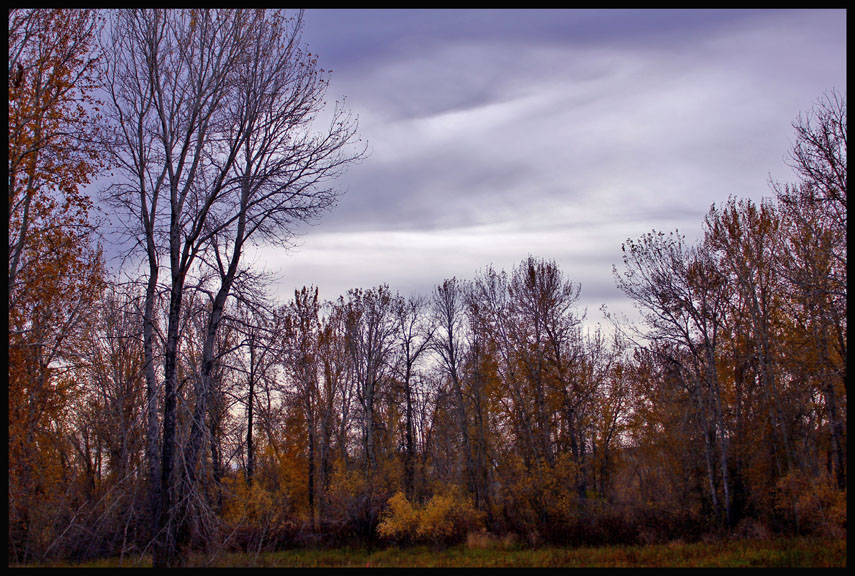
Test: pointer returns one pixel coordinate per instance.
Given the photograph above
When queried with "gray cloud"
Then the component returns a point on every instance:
(557, 133)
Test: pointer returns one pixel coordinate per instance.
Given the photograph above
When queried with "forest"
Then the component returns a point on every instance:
(176, 406)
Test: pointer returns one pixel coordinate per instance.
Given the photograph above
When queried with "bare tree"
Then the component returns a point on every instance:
(414, 338)
(167, 75)
(448, 309)
(283, 172)
(335, 393)
(681, 294)
(370, 330)
(209, 111)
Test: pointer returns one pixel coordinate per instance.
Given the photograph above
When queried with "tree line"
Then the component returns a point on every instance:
(178, 406)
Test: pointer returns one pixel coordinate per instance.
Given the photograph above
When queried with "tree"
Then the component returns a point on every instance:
(448, 308)
(167, 78)
(748, 238)
(52, 77)
(814, 256)
(543, 317)
(300, 356)
(414, 336)
(55, 269)
(680, 292)
(529, 323)
(334, 400)
(209, 109)
(370, 332)
(260, 331)
(282, 173)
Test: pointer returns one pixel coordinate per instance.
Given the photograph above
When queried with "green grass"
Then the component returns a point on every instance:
(785, 552)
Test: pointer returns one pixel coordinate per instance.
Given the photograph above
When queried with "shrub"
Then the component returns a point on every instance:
(446, 518)
(814, 504)
(247, 503)
(539, 499)
(400, 521)
(253, 516)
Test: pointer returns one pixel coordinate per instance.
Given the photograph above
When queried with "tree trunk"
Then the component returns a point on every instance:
(409, 461)
(368, 430)
(165, 551)
(152, 456)
(310, 480)
(250, 452)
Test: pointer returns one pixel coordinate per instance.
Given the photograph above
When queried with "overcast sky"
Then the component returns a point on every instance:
(496, 134)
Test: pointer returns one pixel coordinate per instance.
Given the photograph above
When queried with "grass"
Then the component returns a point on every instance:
(784, 552)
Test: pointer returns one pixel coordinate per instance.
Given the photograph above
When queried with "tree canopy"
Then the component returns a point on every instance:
(180, 407)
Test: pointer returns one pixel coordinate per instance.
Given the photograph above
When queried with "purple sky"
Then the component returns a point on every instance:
(496, 134)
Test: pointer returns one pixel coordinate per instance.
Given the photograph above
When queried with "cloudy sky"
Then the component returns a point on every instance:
(496, 134)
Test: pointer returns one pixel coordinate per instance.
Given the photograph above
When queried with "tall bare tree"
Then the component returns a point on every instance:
(414, 335)
(448, 311)
(680, 291)
(283, 174)
(210, 110)
(370, 332)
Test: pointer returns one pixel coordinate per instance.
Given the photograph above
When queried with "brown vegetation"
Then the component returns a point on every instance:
(192, 413)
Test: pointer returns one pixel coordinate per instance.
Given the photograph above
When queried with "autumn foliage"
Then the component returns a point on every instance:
(447, 517)
(55, 269)
(483, 410)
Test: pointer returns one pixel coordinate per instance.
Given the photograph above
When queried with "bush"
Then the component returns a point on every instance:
(447, 518)
(813, 504)
(400, 521)
(539, 500)
(254, 517)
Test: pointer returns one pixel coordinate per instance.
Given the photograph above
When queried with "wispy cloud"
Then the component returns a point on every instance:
(499, 134)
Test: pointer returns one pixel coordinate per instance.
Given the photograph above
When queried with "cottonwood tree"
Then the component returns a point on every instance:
(748, 237)
(530, 319)
(112, 367)
(257, 332)
(611, 409)
(484, 394)
(814, 253)
(680, 292)
(370, 337)
(448, 310)
(544, 314)
(334, 402)
(284, 172)
(167, 75)
(299, 355)
(210, 111)
(414, 335)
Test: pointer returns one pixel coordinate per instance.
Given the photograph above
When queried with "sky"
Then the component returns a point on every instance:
(498, 134)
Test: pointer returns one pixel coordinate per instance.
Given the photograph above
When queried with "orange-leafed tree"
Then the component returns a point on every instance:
(813, 261)
(54, 269)
(51, 81)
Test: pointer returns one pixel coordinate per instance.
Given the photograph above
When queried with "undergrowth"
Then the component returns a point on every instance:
(486, 551)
